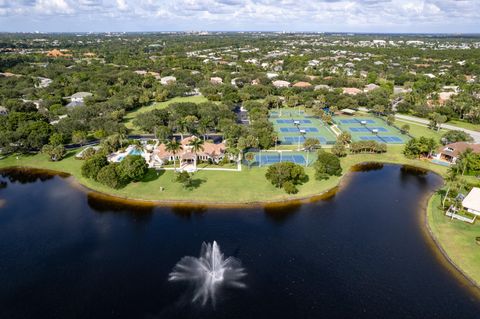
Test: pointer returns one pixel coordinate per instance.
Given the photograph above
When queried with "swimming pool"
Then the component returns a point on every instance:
(135, 152)
(438, 162)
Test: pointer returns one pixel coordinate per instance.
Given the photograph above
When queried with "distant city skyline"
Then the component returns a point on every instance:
(382, 16)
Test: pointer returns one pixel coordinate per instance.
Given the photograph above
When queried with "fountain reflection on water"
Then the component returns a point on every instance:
(208, 272)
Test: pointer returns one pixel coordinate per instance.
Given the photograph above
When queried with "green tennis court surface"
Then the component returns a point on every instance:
(294, 127)
(370, 129)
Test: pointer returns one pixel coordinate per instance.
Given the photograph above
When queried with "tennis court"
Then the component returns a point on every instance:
(370, 129)
(268, 158)
(294, 127)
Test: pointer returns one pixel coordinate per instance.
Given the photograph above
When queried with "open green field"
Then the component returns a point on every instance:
(130, 116)
(465, 125)
(456, 238)
(418, 130)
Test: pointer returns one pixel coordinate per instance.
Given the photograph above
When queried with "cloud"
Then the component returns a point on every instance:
(321, 15)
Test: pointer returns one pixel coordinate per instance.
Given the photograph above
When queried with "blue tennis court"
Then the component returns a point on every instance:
(301, 139)
(294, 129)
(382, 139)
(266, 159)
(371, 129)
(292, 121)
(367, 129)
(356, 121)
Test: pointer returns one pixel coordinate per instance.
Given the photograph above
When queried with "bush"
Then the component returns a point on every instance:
(88, 153)
(55, 153)
(339, 149)
(286, 172)
(185, 179)
(421, 146)
(93, 165)
(456, 136)
(368, 147)
(109, 176)
(133, 168)
(327, 165)
(290, 188)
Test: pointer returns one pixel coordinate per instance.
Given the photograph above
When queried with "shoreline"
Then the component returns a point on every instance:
(289, 200)
(74, 182)
(440, 253)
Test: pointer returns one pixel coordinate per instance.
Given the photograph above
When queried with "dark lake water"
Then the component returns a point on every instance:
(358, 254)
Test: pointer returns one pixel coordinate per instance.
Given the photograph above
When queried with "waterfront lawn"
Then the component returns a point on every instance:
(457, 238)
(249, 185)
(130, 116)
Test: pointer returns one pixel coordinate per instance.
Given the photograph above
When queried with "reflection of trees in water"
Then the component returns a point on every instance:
(3, 184)
(407, 172)
(187, 212)
(417, 171)
(280, 214)
(135, 211)
(25, 176)
(366, 167)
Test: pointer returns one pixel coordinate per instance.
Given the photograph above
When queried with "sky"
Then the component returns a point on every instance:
(381, 16)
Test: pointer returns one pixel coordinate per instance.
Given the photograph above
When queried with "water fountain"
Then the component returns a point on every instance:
(208, 272)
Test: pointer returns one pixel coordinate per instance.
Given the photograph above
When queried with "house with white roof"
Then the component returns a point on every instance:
(281, 84)
(78, 98)
(471, 203)
(166, 80)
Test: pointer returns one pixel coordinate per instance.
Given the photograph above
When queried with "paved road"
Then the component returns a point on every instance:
(474, 134)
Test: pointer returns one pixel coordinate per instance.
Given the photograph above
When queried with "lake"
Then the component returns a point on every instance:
(361, 253)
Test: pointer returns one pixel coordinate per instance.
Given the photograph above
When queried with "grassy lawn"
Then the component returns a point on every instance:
(417, 130)
(129, 117)
(465, 125)
(249, 185)
(457, 238)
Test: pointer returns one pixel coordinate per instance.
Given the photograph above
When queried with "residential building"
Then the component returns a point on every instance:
(166, 80)
(450, 152)
(351, 91)
(281, 84)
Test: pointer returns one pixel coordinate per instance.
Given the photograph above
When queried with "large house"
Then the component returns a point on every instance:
(3, 110)
(281, 84)
(187, 157)
(216, 80)
(77, 99)
(303, 85)
(166, 80)
(351, 91)
(472, 202)
(450, 152)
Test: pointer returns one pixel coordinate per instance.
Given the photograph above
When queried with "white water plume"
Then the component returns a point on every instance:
(208, 272)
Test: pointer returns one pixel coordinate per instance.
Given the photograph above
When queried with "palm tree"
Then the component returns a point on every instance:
(466, 159)
(197, 146)
(451, 179)
(173, 147)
